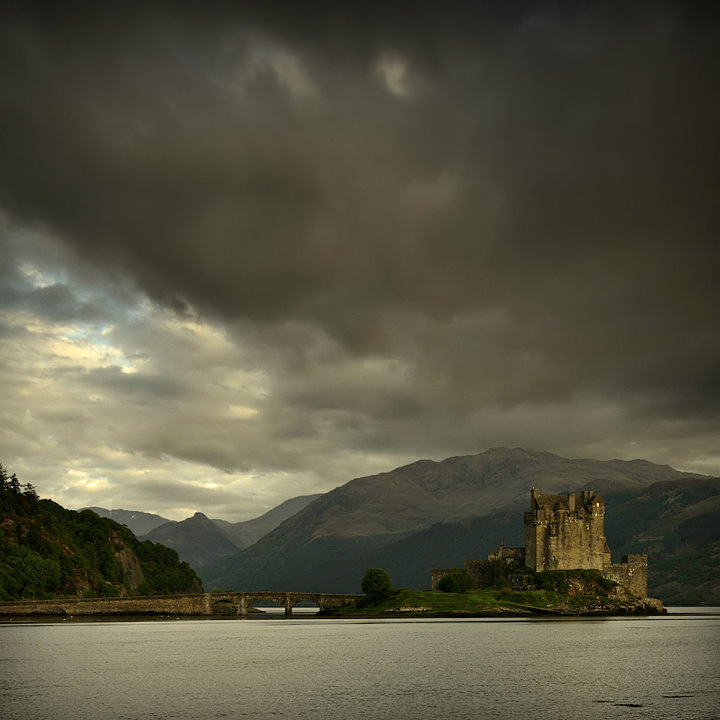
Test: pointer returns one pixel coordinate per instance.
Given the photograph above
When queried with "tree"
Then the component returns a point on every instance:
(14, 484)
(376, 585)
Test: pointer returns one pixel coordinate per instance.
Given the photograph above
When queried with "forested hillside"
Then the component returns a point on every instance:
(47, 551)
(678, 526)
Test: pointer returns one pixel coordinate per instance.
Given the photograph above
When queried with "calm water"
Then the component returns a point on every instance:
(660, 667)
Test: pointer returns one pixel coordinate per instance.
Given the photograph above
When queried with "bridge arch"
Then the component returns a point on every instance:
(225, 606)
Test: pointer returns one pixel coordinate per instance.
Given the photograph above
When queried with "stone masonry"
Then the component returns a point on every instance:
(566, 532)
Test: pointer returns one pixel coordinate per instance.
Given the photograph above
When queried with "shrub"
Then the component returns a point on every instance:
(376, 585)
(458, 581)
(449, 584)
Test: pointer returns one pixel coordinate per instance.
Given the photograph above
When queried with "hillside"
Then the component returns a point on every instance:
(47, 551)
(678, 526)
(427, 515)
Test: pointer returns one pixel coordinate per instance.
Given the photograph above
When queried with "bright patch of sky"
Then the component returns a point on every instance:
(394, 72)
(38, 278)
(247, 57)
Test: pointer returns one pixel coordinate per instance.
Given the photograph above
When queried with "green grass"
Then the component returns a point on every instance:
(477, 602)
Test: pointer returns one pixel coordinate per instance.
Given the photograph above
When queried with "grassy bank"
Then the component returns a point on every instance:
(564, 593)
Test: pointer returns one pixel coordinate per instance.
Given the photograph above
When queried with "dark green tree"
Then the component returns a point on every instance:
(376, 585)
(458, 581)
(14, 484)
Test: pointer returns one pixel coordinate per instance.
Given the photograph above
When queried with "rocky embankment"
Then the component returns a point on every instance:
(648, 606)
(645, 606)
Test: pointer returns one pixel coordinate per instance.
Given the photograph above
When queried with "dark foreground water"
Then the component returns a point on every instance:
(659, 667)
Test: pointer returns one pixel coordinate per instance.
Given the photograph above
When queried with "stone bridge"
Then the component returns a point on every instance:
(216, 603)
(239, 603)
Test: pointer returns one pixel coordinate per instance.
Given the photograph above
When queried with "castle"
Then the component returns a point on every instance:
(562, 532)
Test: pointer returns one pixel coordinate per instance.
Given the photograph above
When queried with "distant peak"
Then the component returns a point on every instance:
(508, 451)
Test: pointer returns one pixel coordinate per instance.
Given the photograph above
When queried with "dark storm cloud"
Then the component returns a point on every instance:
(518, 203)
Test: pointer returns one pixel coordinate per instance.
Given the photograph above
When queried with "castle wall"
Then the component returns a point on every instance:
(508, 554)
(438, 574)
(630, 573)
(483, 572)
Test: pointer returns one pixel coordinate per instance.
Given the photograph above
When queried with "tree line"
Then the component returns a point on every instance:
(13, 492)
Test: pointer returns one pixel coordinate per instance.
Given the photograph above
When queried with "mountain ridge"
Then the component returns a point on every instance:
(423, 492)
(358, 524)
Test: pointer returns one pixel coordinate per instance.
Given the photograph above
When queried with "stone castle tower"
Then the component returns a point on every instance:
(566, 532)
(562, 532)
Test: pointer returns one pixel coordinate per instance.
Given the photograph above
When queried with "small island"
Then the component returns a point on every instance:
(553, 593)
(565, 568)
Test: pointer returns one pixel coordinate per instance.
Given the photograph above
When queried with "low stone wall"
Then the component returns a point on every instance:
(159, 605)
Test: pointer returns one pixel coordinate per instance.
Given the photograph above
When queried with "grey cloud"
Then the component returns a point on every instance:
(528, 221)
(152, 388)
(254, 179)
(58, 302)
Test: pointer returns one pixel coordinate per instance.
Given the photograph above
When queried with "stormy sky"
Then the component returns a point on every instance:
(251, 251)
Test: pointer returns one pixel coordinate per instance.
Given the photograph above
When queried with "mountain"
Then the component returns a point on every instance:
(199, 540)
(47, 551)
(415, 496)
(140, 523)
(428, 514)
(247, 532)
